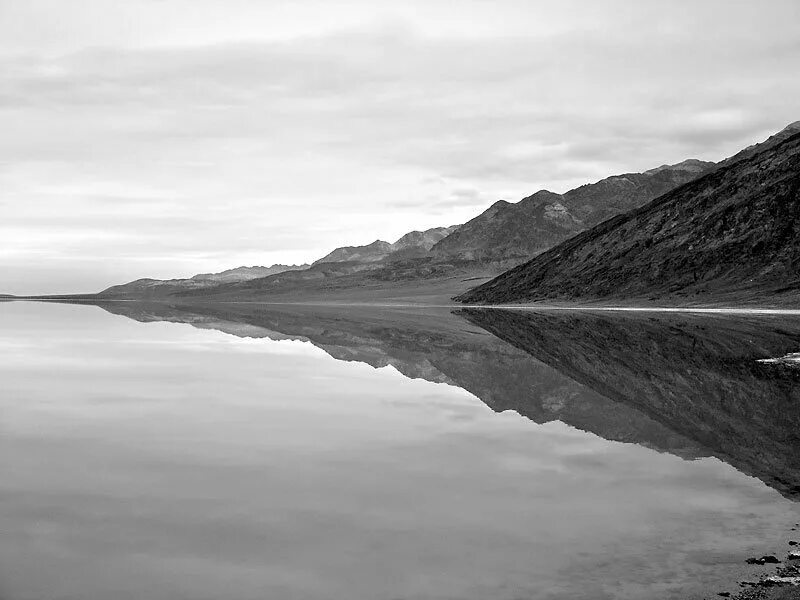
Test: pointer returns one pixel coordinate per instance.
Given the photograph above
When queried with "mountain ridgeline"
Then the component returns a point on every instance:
(153, 288)
(694, 231)
(522, 230)
(733, 234)
(412, 244)
(504, 235)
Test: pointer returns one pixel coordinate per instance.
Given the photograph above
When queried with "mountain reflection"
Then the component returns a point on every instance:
(697, 375)
(684, 384)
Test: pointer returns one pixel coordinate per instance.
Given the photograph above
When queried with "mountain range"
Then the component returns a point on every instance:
(694, 231)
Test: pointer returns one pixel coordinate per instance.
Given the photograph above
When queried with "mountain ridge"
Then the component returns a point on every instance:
(503, 236)
(155, 287)
(410, 244)
(733, 229)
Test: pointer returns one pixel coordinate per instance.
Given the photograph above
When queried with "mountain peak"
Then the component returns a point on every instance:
(693, 165)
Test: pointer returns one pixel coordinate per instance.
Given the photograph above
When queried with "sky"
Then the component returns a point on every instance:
(164, 138)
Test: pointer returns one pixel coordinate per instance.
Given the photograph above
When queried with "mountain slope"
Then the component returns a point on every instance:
(734, 232)
(596, 202)
(508, 231)
(773, 140)
(521, 230)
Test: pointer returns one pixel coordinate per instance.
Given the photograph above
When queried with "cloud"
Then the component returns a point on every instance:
(292, 136)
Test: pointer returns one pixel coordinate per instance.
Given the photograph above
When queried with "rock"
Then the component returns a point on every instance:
(764, 560)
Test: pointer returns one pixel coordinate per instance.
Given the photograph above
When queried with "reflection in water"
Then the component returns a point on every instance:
(158, 461)
(703, 377)
(436, 346)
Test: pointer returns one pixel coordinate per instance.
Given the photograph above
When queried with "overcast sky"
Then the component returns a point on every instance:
(165, 138)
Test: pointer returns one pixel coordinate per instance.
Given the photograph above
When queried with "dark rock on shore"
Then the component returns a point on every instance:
(764, 560)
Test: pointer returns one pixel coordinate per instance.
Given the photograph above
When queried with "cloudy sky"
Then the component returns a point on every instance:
(168, 137)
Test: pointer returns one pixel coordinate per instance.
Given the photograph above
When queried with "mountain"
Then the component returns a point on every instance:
(518, 231)
(596, 202)
(440, 263)
(246, 273)
(437, 263)
(508, 231)
(149, 288)
(412, 244)
(377, 250)
(732, 234)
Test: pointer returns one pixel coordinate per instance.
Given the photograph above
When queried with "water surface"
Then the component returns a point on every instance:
(338, 454)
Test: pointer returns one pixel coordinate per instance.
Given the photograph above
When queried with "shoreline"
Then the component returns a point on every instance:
(721, 310)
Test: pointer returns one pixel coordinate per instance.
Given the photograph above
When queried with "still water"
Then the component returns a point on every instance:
(169, 454)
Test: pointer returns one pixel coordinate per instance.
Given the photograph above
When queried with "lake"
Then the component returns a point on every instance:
(153, 452)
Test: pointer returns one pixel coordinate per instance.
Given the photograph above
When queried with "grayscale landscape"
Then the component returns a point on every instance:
(420, 301)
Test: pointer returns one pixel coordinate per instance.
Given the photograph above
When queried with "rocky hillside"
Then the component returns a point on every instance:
(773, 140)
(596, 202)
(412, 244)
(507, 231)
(518, 231)
(731, 234)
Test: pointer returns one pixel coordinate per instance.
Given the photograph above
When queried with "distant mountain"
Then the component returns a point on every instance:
(509, 231)
(412, 244)
(246, 273)
(732, 234)
(164, 287)
(377, 250)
